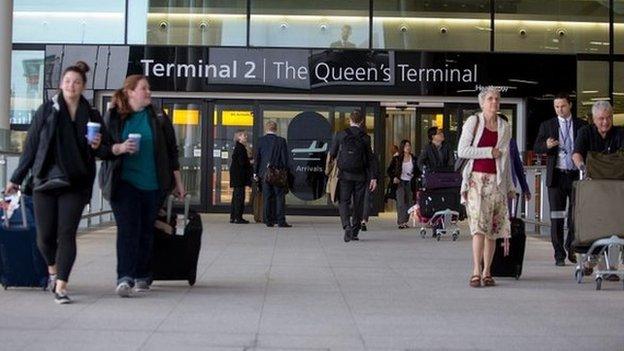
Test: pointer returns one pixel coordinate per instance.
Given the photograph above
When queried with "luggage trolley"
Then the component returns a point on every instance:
(442, 223)
(608, 250)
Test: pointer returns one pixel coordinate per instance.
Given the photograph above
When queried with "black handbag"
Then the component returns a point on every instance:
(56, 179)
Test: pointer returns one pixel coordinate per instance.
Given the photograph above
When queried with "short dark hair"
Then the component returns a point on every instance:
(431, 132)
(79, 67)
(356, 117)
(565, 96)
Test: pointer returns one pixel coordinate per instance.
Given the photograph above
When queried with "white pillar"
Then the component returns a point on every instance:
(6, 45)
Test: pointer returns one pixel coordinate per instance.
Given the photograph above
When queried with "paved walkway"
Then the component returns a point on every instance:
(304, 289)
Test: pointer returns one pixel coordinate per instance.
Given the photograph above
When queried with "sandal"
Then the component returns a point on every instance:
(488, 281)
(475, 281)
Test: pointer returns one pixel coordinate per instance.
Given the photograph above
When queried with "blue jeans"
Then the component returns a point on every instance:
(135, 212)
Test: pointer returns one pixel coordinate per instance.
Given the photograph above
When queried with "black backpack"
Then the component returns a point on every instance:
(352, 154)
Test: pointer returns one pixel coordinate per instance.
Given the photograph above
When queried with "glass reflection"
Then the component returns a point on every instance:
(219, 23)
(431, 25)
(319, 24)
(562, 26)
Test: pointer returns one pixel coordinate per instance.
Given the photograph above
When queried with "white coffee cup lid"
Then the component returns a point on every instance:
(93, 124)
(134, 135)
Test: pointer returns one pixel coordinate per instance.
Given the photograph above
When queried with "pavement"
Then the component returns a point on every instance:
(303, 288)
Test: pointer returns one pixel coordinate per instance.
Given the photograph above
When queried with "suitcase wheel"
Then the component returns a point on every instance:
(191, 281)
(438, 237)
(455, 236)
(518, 268)
(578, 274)
(423, 232)
(598, 283)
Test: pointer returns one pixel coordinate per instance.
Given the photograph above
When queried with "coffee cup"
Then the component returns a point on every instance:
(92, 129)
(136, 138)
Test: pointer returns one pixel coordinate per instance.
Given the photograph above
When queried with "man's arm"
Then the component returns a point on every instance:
(541, 144)
(422, 158)
(333, 152)
(581, 146)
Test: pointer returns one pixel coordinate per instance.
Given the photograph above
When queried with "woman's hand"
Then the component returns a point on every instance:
(127, 147)
(396, 181)
(179, 191)
(496, 153)
(11, 188)
(97, 140)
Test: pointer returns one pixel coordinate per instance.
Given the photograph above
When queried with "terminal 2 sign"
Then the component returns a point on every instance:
(351, 71)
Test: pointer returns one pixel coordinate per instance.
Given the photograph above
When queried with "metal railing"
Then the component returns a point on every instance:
(537, 210)
(96, 213)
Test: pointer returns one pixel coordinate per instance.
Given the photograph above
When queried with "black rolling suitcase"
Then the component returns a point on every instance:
(21, 263)
(177, 242)
(433, 200)
(510, 265)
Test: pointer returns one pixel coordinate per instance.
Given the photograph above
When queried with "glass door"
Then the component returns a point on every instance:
(188, 121)
(228, 118)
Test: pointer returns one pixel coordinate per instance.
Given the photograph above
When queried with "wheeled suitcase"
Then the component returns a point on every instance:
(511, 265)
(441, 180)
(177, 242)
(21, 263)
(597, 210)
(431, 201)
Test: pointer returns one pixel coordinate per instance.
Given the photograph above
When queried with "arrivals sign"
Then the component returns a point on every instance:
(197, 69)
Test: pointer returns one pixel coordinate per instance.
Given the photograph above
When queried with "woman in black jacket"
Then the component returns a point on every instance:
(62, 163)
(240, 177)
(403, 172)
(140, 174)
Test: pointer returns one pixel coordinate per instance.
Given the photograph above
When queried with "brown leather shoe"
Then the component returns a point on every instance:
(488, 281)
(475, 281)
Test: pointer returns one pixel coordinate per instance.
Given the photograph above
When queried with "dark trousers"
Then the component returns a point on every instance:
(557, 197)
(351, 202)
(274, 199)
(57, 215)
(135, 212)
(237, 207)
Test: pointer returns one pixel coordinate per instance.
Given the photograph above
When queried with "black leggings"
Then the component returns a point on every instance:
(57, 216)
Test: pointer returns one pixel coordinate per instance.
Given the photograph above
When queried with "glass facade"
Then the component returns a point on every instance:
(69, 21)
(592, 85)
(431, 25)
(618, 93)
(314, 24)
(189, 22)
(561, 26)
(27, 69)
(618, 26)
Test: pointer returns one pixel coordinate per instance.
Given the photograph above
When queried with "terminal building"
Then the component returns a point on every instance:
(218, 66)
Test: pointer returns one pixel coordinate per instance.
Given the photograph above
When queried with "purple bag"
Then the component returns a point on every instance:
(441, 180)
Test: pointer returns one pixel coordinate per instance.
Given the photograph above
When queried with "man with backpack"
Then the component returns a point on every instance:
(353, 154)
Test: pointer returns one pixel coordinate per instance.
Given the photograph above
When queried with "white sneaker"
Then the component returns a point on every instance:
(123, 289)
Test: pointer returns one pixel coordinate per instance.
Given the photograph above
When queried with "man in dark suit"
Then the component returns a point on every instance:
(272, 149)
(353, 184)
(556, 138)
